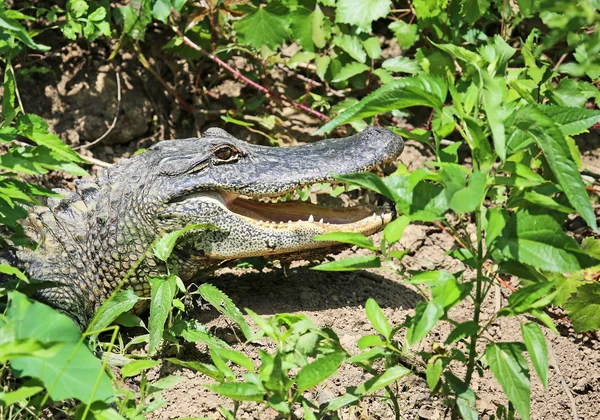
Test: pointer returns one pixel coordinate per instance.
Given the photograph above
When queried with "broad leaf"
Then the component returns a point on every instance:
(510, 369)
(239, 391)
(401, 65)
(162, 293)
(426, 316)
(361, 12)
(556, 150)
(584, 308)
(411, 91)
(378, 319)
(350, 70)
(536, 347)
(267, 25)
(317, 371)
(123, 301)
(136, 367)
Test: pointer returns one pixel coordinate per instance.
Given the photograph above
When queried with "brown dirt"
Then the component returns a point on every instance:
(79, 99)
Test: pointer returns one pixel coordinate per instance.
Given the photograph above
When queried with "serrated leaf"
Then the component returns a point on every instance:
(378, 319)
(348, 238)
(510, 369)
(209, 370)
(556, 150)
(401, 65)
(470, 198)
(14, 28)
(474, 9)
(372, 47)
(584, 308)
(411, 91)
(353, 46)
(350, 70)
(301, 28)
(222, 303)
(8, 102)
(405, 33)
(267, 25)
(350, 264)
(571, 120)
(161, 297)
(361, 12)
(121, 302)
(319, 32)
(536, 347)
(317, 371)
(428, 8)
(494, 98)
(322, 64)
(534, 237)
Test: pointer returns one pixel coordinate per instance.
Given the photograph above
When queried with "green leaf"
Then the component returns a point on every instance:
(322, 64)
(239, 391)
(372, 47)
(66, 371)
(394, 230)
(349, 264)
(435, 365)
(14, 28)
(461, 331)
(461, 54)
(401, 65)
(236, 357)
(121, 302)
(494, 98)
(350, 70)
(536, 347)
(571, 121)
(164, 246)
(161, 297)
(12, 271)
(222, 303)
(378, 319)
(21, 394)
(429, 8)
(134, 18)
(584, 308)
(317, 371)
(534, 237)
(411, 91)
(369, 181)
(470, 198)
(352, 45)
(510, 369)
(391, 375)
(556, 150)
(136, 367)
(474, 9)
(8, 100)
(361, 12)
(267, 25)
(301, 27)
(405, 33)
(426, 316)
(352, 238)
(209, 370)
(319, 32)
(161, 9)
(36, 129)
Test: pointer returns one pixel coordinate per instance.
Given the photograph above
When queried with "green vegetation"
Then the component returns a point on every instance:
(509, 83)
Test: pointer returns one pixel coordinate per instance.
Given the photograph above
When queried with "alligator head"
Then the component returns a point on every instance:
(94, 238)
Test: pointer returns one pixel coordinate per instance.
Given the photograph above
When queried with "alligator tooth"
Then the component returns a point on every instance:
(321, 221)
(299, 220)
(374, 215)
(311, 218)
(281, 222)
(289, 221)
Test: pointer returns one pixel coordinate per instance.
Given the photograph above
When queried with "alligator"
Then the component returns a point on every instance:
(94, 238)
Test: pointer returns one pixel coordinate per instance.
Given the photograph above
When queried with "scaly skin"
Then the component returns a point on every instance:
(92, 239)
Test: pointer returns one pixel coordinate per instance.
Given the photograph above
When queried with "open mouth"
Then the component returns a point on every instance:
(364, 219)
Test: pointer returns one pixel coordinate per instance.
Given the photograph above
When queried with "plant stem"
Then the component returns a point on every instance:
(477, 300)
(239, 75)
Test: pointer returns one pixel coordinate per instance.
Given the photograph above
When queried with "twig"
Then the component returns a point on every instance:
(290, 72)
(98, 162)
(244, 79)
(559, 62)
(114, 121)
(187, 107)
(563, 383)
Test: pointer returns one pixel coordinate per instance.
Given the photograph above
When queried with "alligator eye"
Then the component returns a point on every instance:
(225, 153)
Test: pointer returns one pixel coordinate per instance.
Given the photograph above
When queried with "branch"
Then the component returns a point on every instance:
(240, 76)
